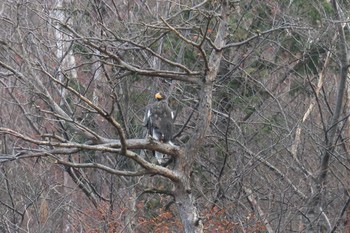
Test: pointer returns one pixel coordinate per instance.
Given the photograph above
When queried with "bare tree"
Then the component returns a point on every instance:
(260, 129)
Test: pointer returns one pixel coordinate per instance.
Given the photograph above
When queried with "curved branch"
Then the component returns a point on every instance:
(40, 88)
(112, 147)
(176, 64)
(101, 111)
(99, 166)
(198, 46)
(182, 76)
(186, 122)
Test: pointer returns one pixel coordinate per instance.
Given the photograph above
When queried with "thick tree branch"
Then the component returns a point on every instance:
(113, 147)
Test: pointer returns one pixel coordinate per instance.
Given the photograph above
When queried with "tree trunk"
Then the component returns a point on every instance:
(315, 210)
(187, 209)
(184, 200)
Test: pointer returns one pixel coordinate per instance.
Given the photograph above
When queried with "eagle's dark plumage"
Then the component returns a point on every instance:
(159, 122)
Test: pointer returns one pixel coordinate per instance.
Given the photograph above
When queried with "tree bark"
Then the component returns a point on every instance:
(330, 137)
(187, 209)
(184, 199)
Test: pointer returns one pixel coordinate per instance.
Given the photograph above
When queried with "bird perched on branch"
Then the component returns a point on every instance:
(159, 121)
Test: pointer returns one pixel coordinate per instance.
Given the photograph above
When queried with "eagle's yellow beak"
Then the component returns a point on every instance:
(158, 96)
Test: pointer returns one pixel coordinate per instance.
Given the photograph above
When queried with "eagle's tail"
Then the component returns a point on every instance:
(161, 158)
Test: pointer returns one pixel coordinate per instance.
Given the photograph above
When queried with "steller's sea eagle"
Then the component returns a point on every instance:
(159, 121)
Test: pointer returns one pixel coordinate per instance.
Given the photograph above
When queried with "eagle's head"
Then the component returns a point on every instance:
(159, 96)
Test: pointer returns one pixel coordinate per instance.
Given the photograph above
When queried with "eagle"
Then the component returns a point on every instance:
(159, 120)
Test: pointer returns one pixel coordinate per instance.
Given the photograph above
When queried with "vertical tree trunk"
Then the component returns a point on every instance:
(187, 209)
(184, 200)
(347, 147)
(316, 201)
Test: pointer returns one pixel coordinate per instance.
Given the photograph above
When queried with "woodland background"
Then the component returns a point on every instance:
(262, 103)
